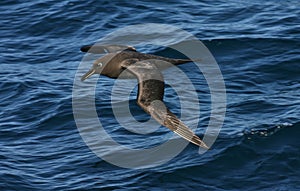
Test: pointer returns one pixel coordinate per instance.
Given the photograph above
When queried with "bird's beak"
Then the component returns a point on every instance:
(88, 74)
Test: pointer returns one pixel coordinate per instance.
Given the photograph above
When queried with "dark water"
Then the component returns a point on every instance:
(256, 44)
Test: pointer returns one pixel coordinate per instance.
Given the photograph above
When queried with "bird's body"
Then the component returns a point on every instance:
(112, 62)
(126, 62)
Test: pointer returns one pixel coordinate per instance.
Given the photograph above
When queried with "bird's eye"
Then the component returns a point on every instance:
(99, 64)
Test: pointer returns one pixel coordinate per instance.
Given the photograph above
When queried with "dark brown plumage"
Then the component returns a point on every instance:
(146, 68)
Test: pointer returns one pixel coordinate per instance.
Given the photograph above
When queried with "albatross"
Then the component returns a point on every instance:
(147, 69)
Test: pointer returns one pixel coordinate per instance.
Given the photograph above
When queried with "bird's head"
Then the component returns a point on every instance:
(96, 69)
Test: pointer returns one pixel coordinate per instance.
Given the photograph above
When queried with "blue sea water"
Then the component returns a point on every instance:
(256, 44)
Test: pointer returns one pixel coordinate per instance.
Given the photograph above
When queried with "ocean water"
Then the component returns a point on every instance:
(256, 44)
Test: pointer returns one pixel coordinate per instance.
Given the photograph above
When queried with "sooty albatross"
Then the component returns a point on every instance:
(146, 68)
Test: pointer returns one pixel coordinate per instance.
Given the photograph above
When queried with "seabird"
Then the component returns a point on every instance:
(146, 68)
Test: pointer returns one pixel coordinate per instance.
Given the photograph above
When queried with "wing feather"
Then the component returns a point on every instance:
(102, 49)
(150, 98)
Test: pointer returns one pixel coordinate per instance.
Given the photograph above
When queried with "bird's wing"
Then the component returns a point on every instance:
(150, 98)
(102, 49)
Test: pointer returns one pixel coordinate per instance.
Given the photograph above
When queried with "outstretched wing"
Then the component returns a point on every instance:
(150, 98)
(102, 49)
